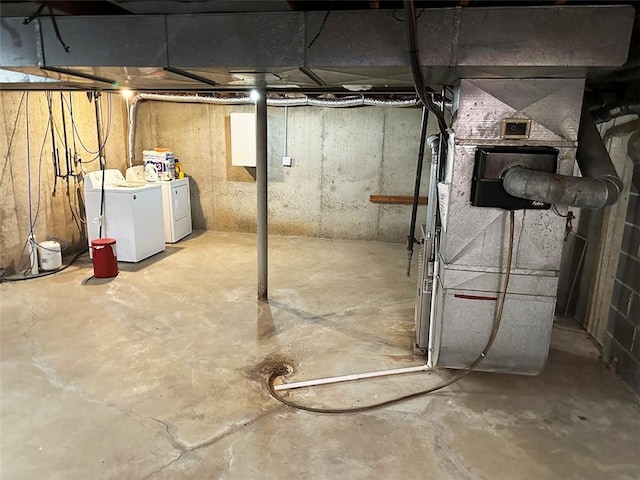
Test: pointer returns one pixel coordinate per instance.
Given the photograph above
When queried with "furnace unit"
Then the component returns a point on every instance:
(499, 125)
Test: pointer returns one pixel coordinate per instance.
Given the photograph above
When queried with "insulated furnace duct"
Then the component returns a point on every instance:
(498, 124)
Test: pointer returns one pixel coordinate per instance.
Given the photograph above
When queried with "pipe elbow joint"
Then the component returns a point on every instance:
(613, 186)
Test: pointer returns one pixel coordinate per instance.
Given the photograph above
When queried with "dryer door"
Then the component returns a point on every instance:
(180, 199)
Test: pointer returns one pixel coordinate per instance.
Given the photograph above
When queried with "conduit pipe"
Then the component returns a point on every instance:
(351, 101)
(434, 144)
(417, 73)
(598, 187)
(416, 188)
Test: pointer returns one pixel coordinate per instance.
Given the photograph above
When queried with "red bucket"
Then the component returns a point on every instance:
(105, 262)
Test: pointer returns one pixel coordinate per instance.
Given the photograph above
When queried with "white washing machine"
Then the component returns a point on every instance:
(176, 202)
(132, 214)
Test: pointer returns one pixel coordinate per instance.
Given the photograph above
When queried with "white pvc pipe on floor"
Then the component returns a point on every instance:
(351, 377)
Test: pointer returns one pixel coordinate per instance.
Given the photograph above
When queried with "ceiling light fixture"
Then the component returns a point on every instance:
(126, 93)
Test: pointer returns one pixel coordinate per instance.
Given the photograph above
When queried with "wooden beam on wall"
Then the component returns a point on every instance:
(396, 200)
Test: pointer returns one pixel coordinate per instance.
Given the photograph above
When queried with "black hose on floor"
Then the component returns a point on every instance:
(281, 370)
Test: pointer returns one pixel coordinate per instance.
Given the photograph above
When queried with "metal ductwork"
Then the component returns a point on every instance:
(598, 187)
(355, 49)
(543, 187)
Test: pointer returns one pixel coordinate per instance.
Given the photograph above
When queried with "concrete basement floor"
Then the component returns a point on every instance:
(159, 373)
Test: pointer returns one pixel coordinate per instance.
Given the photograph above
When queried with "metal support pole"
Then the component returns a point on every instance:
(261, 181)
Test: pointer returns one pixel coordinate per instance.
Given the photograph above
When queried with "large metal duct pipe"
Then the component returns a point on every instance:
(615, 110)
(598, 187)
(559, 189)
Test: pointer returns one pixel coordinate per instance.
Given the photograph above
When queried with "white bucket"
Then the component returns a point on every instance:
(50, 255)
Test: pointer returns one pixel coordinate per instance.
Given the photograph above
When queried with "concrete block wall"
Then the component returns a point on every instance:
(341, 156)
(622, 338)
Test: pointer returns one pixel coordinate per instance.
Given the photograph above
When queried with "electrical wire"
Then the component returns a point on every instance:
(554, 209)
(43, 274)
(33, 218)
(324, 21)
(281, 370)
(34, 15)
(31, 241)
(28, 142)
(9, 163)
(77, 134)
(108, 130)
(106, 134)
(98, 111)
(22, 265)
(76, 161)
(55, 125)
(40, 157)
(73, 137)
(13, 132)
(56, 29)
(54, 150)
(417, 72)
(73, 212)
(398, 19)
(69, 166)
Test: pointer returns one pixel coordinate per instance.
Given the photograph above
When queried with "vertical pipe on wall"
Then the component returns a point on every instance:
(286, 129)
(261, 181)
(131, 128)
(101, 159)
(416, 188)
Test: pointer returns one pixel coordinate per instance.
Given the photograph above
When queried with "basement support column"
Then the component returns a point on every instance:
(261, 181)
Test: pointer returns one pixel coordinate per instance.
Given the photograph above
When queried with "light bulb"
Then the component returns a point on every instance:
(126, 93)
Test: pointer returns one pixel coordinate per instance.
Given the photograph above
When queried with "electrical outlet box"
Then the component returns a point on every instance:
(286, 161)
